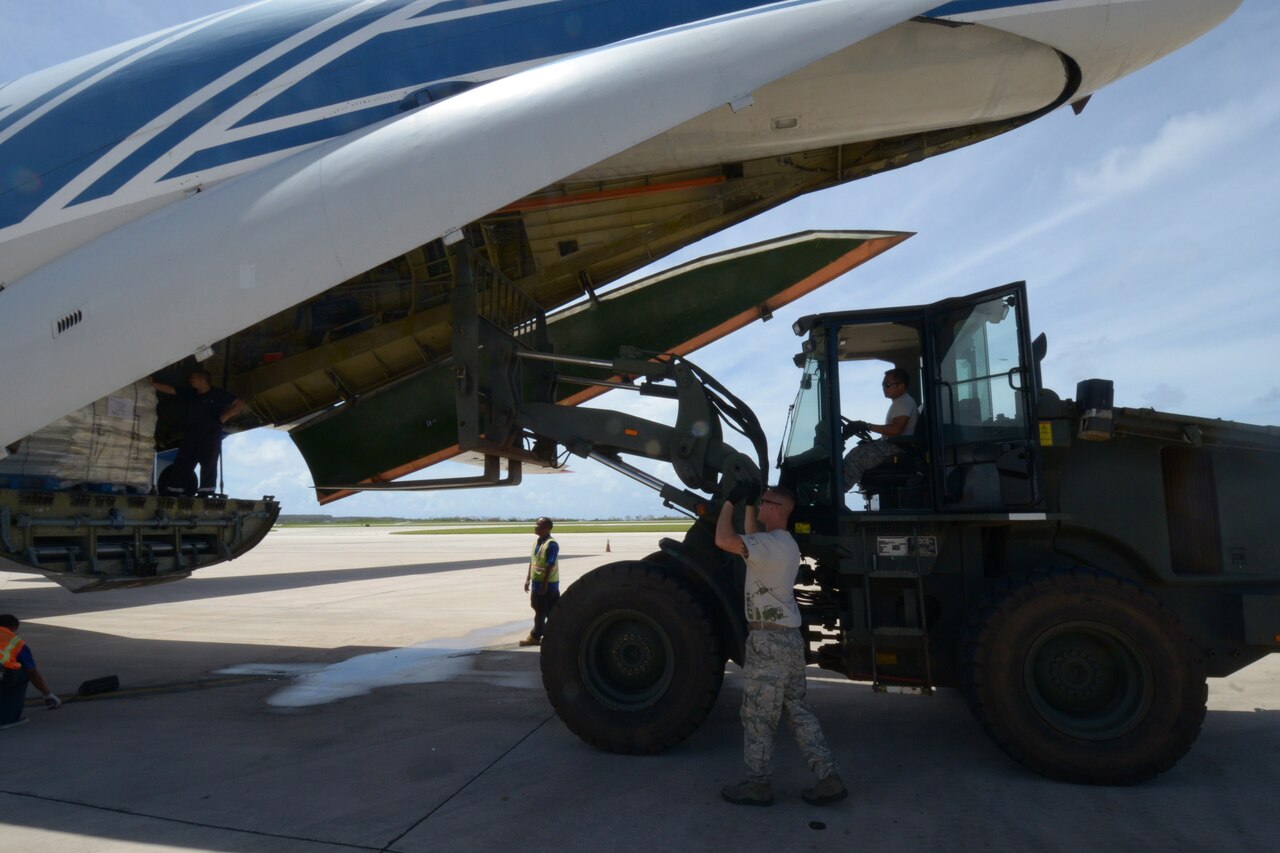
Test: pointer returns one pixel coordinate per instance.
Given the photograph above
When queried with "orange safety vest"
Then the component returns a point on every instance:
(10, 646)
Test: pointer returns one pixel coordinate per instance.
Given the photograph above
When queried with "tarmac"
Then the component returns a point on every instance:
(349, 688)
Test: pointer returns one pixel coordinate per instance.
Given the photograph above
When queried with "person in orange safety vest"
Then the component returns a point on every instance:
(18, 668)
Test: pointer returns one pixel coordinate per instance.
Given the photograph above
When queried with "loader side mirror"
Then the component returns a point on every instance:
(1039, 348)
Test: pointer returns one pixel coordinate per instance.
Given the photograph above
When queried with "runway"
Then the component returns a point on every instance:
(349, 688)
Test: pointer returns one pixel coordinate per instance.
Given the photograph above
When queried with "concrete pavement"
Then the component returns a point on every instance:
(349, 688)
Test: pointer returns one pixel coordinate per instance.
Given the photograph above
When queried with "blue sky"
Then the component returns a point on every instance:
(1147, 228)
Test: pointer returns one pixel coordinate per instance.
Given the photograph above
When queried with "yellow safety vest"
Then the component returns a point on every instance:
(10, 646)
(539, 563)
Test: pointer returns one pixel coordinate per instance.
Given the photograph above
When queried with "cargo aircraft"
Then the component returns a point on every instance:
(271, 190)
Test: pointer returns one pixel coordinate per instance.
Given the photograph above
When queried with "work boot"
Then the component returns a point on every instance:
(828, 790)
(16, 722)
(531, 641)
(748, 793)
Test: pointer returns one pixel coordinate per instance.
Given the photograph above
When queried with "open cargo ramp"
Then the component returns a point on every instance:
(92, 541)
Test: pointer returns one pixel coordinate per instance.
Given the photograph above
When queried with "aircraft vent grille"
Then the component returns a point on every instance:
(65, 323)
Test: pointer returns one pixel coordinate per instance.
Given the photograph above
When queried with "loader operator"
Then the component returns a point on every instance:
(775, 658)
(206, 410)
(901, 420)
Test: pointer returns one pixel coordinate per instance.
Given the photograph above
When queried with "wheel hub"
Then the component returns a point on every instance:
(1077, 671)
(626, 660)
(1088, 680)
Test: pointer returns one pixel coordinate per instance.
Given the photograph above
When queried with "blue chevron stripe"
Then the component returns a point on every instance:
(68, 139)
(149, 153)
(455, 6)
(31, 106)
(282, 140)
(966, 7)
(418, 56)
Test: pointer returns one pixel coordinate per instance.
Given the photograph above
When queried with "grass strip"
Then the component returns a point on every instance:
(673, 526)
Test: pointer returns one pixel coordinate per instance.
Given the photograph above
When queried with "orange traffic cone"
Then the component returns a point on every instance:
(607, 549)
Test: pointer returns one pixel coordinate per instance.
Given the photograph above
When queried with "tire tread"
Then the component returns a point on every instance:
(1001, 598)
(613, 579)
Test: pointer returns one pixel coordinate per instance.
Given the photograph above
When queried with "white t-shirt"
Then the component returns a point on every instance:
(904, 405)
(773, 559)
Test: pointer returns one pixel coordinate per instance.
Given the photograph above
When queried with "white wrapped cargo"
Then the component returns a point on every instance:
(111, 442)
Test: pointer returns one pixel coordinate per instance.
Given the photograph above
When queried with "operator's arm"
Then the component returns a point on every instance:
(528, 576)
(162, 387)
(894, 428)
(727, 538)
(751, 518)
(236, 407)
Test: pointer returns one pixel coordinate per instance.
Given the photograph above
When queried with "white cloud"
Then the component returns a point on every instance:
(261, 449)
(1185, 142)
(1200, 148)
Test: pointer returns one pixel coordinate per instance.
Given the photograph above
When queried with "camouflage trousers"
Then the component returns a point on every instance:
(862, 457)
(775, 684)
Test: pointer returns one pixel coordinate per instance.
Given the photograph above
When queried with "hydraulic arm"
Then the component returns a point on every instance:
(694, 446)
(506, 391)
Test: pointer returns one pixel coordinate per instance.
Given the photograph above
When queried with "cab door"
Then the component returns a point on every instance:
(983, 398)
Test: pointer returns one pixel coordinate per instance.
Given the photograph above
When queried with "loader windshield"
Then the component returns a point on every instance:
(808, 433)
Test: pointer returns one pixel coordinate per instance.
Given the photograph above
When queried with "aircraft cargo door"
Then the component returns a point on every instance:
(984, 396)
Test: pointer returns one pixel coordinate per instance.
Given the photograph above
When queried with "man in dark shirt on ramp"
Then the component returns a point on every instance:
(206, 409)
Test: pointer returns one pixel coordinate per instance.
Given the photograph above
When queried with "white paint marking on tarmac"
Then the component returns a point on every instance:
(434, 661)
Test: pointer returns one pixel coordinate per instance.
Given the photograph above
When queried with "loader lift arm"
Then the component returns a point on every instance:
(506, 379)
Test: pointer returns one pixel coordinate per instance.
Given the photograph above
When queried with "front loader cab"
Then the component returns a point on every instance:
(971, 372)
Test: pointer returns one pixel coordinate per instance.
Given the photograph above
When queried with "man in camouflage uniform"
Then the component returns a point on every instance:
(775, 657)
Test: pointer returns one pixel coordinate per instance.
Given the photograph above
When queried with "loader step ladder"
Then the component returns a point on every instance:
(906, 581)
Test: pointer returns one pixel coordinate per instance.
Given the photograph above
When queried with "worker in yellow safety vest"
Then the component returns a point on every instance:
(17, 668)
(542, 581)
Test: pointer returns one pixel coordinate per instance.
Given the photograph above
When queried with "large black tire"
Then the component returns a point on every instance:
(630, 659)
(1085, 677)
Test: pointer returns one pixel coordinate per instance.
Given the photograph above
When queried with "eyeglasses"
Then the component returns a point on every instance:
(889, 384)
